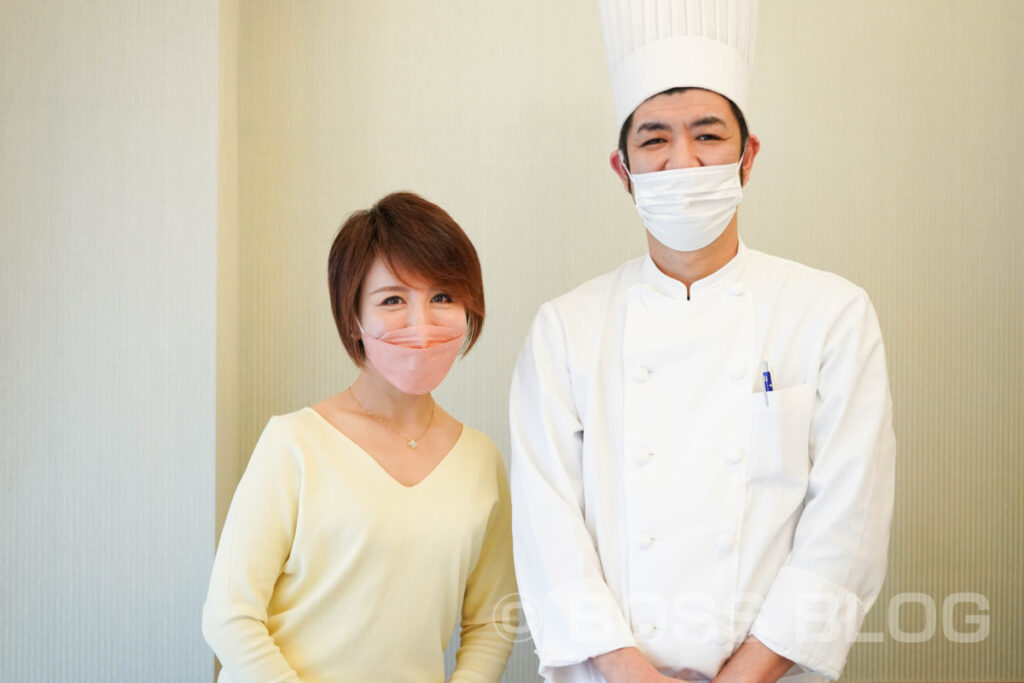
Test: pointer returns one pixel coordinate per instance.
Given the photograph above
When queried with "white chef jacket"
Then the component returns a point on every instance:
(663, 500)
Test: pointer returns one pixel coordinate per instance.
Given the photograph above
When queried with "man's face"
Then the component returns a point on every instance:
(682, 130)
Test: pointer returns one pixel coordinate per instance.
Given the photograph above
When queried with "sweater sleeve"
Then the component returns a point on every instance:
(489, 611)
(814, 609)
(254, 545)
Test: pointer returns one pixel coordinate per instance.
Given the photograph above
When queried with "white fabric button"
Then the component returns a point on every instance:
(724, 545)
(641, 374)
(737, 289)
(642, 457)
(645, 630)
(734, 456)
(646, 542)
(739, 372)
(719, 638)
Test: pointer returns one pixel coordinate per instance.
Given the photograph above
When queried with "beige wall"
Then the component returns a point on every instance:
(108, 297)
(158, 165)
(230, 460)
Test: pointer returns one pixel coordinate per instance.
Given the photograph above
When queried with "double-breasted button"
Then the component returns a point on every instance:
(719, 638)
(642, 457)
(724, 545)
(646, 541)
(737, 289)
(738, 372)
(641, 374)
(645, 629)
(734, 455)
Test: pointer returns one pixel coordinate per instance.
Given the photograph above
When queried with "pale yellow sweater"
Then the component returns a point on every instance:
(330, 570)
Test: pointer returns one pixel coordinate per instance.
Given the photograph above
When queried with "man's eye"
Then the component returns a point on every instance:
(652, 141)
(708, 136)
(442, 298)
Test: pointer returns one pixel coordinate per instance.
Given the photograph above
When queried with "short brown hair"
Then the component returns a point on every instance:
(411, 235)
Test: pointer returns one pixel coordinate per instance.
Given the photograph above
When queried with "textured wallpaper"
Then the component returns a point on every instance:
(108, 298)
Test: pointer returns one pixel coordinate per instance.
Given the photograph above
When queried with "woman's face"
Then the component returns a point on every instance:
(388, 303)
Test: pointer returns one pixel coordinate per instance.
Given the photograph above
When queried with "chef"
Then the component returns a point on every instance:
(702, 449)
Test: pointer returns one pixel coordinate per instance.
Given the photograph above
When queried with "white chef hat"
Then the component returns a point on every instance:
(654, 45)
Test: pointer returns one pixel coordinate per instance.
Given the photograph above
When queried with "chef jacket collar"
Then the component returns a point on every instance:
(719, 281)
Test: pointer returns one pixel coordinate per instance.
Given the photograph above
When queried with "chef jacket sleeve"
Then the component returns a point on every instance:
(254, 545)
(571, 612)
(817, 602)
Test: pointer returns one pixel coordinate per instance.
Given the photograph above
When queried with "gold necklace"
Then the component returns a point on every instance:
(410, 442)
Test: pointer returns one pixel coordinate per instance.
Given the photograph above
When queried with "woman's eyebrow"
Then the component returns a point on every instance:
(389, 288)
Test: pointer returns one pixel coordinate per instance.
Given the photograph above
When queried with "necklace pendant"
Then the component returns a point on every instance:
(412, 443)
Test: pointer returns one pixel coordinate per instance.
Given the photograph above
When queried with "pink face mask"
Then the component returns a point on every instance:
(414, 359)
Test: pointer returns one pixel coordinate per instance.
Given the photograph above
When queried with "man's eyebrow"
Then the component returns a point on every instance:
(709, 120)
(651, 125)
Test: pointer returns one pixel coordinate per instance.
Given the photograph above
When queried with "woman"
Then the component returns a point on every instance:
(366, 525)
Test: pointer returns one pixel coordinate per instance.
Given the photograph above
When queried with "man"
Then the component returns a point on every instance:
(702, 451)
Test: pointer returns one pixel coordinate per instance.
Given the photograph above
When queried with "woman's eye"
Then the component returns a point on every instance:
(442, 298)
(391, 301)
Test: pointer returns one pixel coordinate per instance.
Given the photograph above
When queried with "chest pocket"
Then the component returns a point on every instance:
(779, 437)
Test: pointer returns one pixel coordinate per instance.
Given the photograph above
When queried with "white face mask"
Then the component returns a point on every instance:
(686, 209)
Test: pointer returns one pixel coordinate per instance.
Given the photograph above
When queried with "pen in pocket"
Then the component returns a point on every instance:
(767, 380)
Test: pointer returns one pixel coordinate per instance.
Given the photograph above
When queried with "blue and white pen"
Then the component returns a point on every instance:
(767, 380)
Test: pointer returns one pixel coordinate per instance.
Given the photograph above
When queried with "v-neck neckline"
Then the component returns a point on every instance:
(376, 463)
